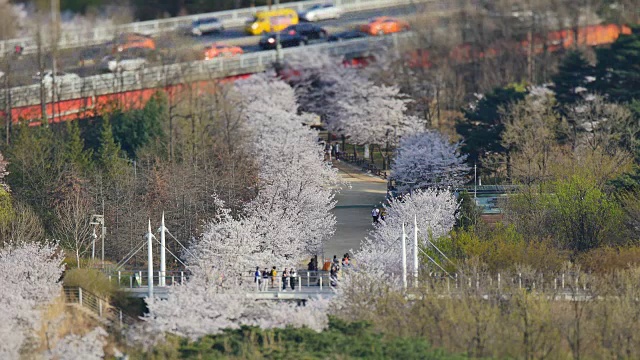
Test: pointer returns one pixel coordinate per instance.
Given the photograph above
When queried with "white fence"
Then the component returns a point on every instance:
(229, 19)
(160, 76)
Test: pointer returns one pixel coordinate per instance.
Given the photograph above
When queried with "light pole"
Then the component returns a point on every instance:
(98, 220)
(404, 258)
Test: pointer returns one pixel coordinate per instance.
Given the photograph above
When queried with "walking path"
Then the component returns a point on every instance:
(353, 210)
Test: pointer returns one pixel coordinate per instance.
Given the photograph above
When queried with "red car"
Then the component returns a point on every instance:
(384, 25)
(219, 50)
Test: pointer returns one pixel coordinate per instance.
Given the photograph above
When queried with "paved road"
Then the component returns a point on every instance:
(353, 211)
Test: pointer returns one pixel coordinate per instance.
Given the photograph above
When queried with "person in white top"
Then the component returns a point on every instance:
(375, 214)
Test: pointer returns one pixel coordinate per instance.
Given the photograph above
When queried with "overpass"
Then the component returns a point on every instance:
(230, 18)
(90, 95)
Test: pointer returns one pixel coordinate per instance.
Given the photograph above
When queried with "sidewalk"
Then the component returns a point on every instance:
(355, 172)
(353, 210)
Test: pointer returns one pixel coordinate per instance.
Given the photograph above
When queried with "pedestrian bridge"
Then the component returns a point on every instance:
(307, 286)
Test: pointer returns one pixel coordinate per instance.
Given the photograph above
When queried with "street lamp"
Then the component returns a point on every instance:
(98, 220)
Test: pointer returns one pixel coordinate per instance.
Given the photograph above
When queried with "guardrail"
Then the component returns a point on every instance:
(230, 18)
(98, 306)
(161, 76)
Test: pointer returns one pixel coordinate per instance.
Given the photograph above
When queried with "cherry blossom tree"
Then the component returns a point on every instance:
(89, 346)
(428, 159)
(435, 211)
(207, 305)
(290, 215)
(30, 275)
(352, 104)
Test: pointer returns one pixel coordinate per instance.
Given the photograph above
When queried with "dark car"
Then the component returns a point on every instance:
(295, 35)
(91, 56)
(347, 35)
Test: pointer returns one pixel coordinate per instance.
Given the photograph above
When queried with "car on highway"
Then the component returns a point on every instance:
(133, 41)
(90, 56)
(347, 35)
(206, 26)
(384, 25)
(271, 21)
(295, 35)
(124, 62)
(46, 77)
(321, 12)
(221, 50)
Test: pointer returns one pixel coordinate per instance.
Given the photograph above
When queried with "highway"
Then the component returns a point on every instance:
(175, 47)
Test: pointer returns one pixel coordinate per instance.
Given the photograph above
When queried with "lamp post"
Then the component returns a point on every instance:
(98, 220)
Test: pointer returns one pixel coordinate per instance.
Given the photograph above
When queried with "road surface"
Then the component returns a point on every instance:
(353, 210)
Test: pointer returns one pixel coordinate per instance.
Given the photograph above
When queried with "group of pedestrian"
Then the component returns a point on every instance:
(332, 151)
(268, 278)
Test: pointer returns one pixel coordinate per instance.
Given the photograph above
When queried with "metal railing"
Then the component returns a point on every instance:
(161, 76)
(131, 279)
(140, 278)
(230, 18)
(98, 306)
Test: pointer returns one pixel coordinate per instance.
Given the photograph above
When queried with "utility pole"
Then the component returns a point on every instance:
(475, 181)
(278, 45)
(55, 11)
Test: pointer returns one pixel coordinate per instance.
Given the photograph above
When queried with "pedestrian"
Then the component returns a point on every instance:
(335, 260)
(345, 260)
(274, 274)
(383, 214)
(258, 277)
(337, 148)
(327, 151)
(375, 214)
(285, 277)
(333, 151)
(292, 278)
(265, 279)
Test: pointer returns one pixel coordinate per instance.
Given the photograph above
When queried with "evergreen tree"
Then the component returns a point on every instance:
(76, 155)
(136, 128)
(482, 127)
(618, 68)
(573, 79)
(109, 152)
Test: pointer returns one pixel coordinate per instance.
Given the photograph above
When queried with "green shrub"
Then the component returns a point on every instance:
(91, 280)
(342, 340)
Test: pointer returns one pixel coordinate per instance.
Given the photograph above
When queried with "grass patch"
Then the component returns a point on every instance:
(91, 280)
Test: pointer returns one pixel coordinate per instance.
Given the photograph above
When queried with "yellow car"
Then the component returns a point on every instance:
(271, 21)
